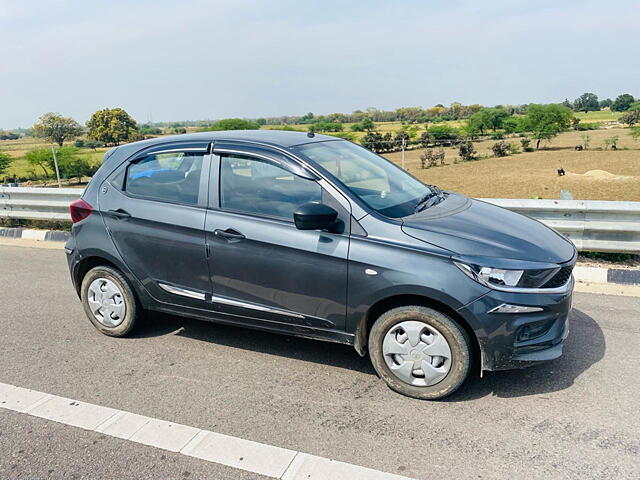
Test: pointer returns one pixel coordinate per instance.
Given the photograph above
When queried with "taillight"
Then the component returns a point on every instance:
(79, 210)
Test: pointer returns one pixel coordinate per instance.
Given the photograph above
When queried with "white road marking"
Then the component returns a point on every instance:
(20, 399)
(166, 435)
(239, 453)
(260, 458)
(123, 425)
(320, 468)
(71, 412)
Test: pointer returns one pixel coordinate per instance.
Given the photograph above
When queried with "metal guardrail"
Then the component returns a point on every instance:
(37, 203)
(594, 225)
(591, 224)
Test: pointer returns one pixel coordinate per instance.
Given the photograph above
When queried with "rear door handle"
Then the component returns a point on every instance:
(229, 234)
(120, 213)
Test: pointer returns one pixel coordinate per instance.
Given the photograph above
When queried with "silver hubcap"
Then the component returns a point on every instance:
(106, 302)
(417, 353)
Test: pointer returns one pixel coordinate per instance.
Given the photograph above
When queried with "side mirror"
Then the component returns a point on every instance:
(314, 216)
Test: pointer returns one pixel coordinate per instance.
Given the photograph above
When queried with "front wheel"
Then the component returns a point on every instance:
(420, 352)
(109, 301)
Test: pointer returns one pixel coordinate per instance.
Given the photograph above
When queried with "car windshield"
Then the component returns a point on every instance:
(379, 183)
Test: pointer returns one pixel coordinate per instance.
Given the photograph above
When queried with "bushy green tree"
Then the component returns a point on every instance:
(635, 106)
(622, 102)
(112, 126)
(444, 133)
(487, 119)
(56, 128)
(511, 125)
(41, 157)
(546, 121)
(70, 163)
(587, 102)
(232, 124)
(5, 162)
(365, 125)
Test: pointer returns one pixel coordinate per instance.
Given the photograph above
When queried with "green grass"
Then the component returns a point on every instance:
(601, 116)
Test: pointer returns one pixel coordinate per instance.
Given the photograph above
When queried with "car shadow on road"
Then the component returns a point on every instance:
(584, 347)
(308, 350)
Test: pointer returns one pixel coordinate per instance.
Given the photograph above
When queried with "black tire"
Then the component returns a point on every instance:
(133, 310)
(455, 335)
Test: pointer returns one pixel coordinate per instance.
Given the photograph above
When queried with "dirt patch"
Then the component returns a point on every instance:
(602, 175)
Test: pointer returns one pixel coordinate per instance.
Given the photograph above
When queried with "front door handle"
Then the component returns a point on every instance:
(229, 234)
(120, 213)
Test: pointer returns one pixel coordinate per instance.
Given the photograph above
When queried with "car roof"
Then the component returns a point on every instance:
(277, 138)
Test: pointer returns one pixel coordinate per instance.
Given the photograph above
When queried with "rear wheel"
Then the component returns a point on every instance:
(109, 301)
(420, 352)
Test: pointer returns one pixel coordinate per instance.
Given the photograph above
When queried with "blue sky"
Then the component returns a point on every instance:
(195, 59)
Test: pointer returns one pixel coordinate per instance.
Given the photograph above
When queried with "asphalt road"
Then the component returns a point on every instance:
(575, 417)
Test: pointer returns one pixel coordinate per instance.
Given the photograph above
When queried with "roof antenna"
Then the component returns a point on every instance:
(311, 134)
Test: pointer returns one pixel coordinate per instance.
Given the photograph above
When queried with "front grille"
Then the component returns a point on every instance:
(560, 278)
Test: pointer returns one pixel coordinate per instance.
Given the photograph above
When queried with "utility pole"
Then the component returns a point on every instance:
(55, 163)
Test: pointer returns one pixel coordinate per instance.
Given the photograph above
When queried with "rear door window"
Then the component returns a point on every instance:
(171, 177)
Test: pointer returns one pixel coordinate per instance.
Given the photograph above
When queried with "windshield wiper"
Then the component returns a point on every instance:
(434, 197)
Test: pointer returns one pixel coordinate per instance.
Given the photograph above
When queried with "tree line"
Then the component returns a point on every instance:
(540, 122)
(588, 102)
(111, 127)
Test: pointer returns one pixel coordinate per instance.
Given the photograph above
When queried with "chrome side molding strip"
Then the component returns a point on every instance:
(226, 301)
(182, 291)
(253, 306)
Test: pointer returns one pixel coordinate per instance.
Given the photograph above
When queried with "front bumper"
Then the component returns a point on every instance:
(515, 340)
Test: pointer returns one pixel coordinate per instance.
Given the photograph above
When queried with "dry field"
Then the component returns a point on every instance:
(591, 174)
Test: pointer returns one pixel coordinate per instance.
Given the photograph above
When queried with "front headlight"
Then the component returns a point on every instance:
(498, 277)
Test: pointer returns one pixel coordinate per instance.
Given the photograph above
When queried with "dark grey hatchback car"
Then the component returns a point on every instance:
(318, 237)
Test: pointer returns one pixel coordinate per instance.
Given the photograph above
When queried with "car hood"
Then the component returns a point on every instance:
(473, 228)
